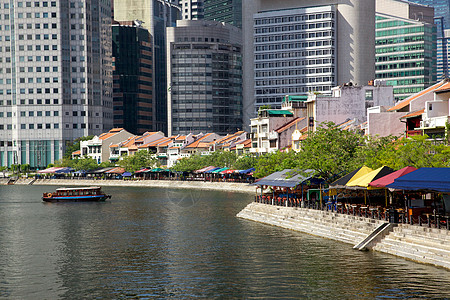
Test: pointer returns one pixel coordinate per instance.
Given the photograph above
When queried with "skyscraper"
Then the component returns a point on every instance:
(55, 77)
(132, 70)
(405, 46)
(156, 16)
(442, 21)
(227, 11)
(205, 76)
(299, 46)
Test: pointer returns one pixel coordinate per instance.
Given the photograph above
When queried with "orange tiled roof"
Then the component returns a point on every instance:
(78, 152)
(444, 88)
(289, 124)
(110, 133)
(113, 146)
(165, 143)
(176, 147)
(180, 138)
(408, 100)
(197, 142)
(413, 114)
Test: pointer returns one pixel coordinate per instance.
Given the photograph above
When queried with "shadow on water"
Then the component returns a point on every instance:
(159, 243)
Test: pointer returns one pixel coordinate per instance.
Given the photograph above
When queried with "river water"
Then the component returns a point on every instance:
(148, 243)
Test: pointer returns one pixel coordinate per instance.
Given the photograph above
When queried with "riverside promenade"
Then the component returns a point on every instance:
(202, 185)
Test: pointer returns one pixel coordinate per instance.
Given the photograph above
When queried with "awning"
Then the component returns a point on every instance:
(205, 169)
(364, 180)
(388, 179)
(64, 170)
(219, 170)
(117, 170)
(286, 178)
(126, 174)
(142, 170)
(50, 170)
(247, 171)
(212, 170)
(229, 171)
(428, 179)
(341, 182)
(157, 170)
(100, 170)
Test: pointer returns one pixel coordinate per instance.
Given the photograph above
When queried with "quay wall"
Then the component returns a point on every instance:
(417, 243)
(203, 185)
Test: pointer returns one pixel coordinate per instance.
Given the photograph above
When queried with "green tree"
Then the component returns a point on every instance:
(245, 162)
(85, 163)
(75, 145)
(141, 159)
(275, 161)
(330, 151)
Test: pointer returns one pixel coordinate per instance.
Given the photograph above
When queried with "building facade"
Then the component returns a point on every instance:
(292, 46)
(55, 77)
(156, 16)
(205, 77)
(405, 46)
(227, 11)
(192, 9)
(132, 70)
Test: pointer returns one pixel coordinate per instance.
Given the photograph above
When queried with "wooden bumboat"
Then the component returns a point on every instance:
(78, 194)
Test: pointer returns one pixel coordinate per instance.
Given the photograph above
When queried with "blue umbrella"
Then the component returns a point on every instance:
(126, 174)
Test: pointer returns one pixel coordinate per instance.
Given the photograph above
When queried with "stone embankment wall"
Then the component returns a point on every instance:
(218, 186)
(421, 244)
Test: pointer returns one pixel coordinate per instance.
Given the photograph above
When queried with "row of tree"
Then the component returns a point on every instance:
(333, 152)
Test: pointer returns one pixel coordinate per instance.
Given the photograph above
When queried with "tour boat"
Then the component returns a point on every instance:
(77, 194)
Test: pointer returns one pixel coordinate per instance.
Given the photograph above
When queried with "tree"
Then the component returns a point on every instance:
(330, 151)
(75, 145)
(275, 161)
(85, 163)
(245, 162)
(141, 159)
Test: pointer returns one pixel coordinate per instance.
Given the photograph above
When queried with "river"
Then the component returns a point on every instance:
(148, 243)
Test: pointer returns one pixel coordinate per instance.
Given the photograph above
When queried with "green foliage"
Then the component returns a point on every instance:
(416, 151)
(330, 150)
(141, 159)
(245, 162)
(75, 145)
(275, 161)
(369, 151)
(85, 163)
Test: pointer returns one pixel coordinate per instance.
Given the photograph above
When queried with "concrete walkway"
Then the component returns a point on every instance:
(218, 186)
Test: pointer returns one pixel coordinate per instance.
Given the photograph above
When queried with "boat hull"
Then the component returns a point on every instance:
(94, 198)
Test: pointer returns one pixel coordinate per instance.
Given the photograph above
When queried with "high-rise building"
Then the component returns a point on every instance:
(156, 16)
(55, 77)
(441, 9)
(227, 11)
(205, 76)
(292, 47)
(405, 46)
(192, 9)
(442, 21)
(132, 71)
(443, 54)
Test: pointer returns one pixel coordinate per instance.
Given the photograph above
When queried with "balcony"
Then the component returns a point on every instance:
(273, 135)
(262, 135)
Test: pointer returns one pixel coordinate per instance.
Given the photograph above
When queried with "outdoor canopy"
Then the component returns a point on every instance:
(429, 179)
(364, 180)
(246, 171)
(341, 182)
(388, 179)
(286, 178)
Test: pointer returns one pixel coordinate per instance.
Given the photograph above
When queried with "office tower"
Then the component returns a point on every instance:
(441, 9)
(293, 47)
(192, 9)
(442, 21)
(227, 11)
(443, 53)
(55, 77)
(156, 16)
(405, 46)
(132, 73)
(205, 76)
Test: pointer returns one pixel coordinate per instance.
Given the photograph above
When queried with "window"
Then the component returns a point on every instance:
(369, 95)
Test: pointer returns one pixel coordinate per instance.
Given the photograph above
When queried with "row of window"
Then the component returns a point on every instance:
(297, 18)
(36, 15)
(30, 102)
(297, 90)
(28, 4)
(282, 46)
(291, 54)
(297, 36)
(264, 83)
(402, 48)
(319, 25)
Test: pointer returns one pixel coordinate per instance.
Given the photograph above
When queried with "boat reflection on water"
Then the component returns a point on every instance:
(79, 194)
